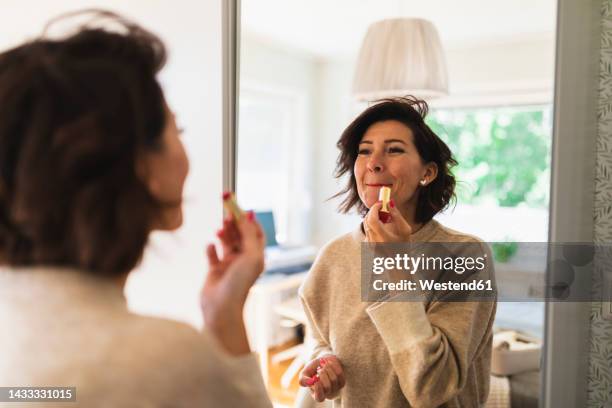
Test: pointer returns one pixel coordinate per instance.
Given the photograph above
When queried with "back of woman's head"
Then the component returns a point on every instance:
(75, 113)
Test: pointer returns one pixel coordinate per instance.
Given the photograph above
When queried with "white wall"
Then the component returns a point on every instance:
(512, 71)
(265, 62)
(168, 281)
(525, 59)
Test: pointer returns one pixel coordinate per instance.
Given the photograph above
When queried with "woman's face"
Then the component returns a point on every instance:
(164, 171)
(387, 157)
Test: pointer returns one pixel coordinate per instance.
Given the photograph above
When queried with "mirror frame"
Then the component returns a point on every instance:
(564, 380)
(230, 26)
(567, 325)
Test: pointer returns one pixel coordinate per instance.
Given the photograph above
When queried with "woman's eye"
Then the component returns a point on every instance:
(363, 151)
(396, 150)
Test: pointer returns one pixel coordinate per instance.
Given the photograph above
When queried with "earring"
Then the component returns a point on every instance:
(423, 182)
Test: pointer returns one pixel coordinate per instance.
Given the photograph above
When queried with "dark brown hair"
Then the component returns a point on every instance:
(410, 111)
(74, 115)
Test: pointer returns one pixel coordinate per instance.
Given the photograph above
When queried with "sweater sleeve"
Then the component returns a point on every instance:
(315, 338)
(316, 341)
(432, 352)
(238, 379)
(313, 293)
(245, 384)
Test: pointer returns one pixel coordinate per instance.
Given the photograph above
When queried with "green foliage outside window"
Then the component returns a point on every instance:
(503, 153)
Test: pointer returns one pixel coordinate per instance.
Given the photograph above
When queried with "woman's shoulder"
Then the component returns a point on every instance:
(146, 351)
(338, 254)
(180, 347)
(172, 336)
(342, 250)
(165, 338)
(168, 329)
(340, 244)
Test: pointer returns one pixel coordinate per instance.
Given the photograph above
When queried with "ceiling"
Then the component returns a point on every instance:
(336, 27)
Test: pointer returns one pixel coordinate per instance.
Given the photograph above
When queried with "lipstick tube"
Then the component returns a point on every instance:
(231, 206)
(384, 195)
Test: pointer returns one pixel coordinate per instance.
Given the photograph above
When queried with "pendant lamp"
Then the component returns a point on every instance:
(399, 57)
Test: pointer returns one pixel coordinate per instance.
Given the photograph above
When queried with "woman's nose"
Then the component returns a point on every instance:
(375, 164)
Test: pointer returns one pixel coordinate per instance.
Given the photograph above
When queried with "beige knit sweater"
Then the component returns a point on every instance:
(62, 327)
(397, 354)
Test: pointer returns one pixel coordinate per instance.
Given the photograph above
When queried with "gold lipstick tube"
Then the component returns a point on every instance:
(231, 206)
(384, 195)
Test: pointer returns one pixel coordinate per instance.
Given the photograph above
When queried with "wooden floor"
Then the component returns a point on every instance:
(278, 394)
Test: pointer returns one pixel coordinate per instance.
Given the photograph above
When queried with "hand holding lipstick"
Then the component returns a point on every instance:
(395, 229)
(230, 277)
(324, 376)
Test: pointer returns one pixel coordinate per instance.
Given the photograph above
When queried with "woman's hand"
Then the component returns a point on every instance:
(324, 376)
(396, 230)
(229, 279)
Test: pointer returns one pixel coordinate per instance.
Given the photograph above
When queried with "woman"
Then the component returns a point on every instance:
(393, 354)
(90, 163)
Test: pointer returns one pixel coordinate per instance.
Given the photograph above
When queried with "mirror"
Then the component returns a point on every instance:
(297, 64)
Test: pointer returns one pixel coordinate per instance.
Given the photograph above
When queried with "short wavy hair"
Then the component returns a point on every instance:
(74, 115)
(410, 111)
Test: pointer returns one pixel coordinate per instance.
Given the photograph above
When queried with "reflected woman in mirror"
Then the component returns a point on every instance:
(90, 164)
(393, 353)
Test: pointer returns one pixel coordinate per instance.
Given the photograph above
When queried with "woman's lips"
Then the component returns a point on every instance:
(378, 185)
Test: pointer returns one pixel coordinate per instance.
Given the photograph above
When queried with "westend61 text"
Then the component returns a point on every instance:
(430, 284)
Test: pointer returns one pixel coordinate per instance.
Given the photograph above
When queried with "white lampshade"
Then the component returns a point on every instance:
(398, 57)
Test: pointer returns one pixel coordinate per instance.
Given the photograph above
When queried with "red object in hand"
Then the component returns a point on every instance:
(384, 217)
(313, 380)
(384, 196)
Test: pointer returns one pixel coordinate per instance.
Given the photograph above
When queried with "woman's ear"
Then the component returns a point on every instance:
(431, 172)
(144, 173)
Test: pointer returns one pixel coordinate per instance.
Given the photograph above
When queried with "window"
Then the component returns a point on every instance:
(272, 174)
(503, 172)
